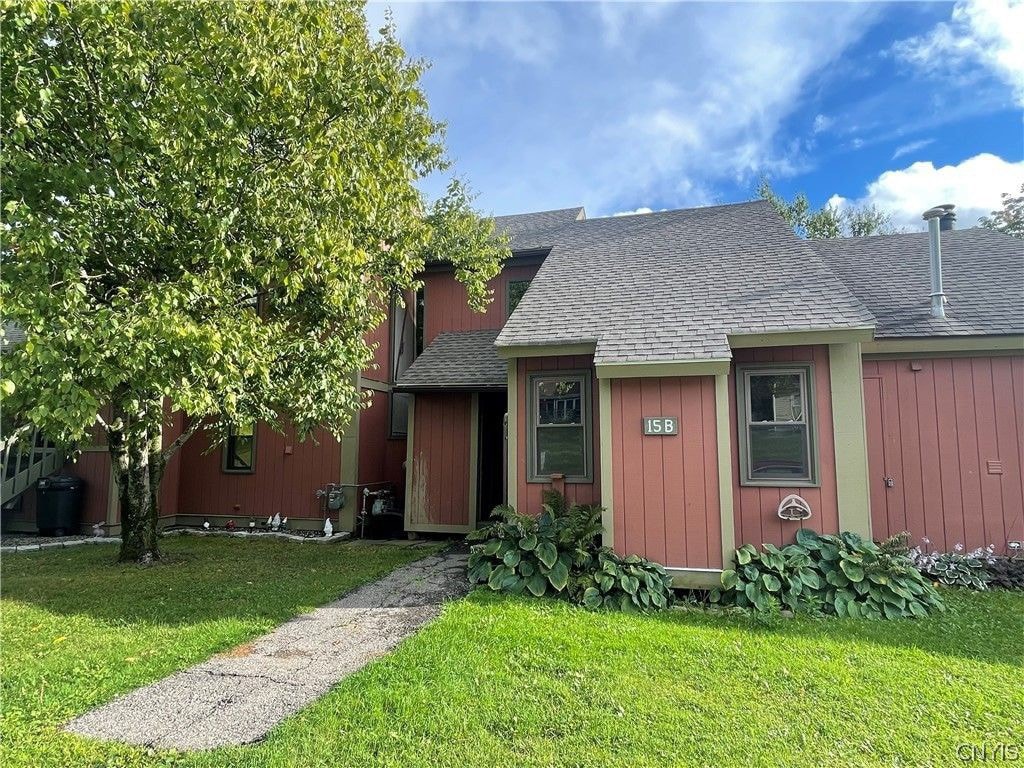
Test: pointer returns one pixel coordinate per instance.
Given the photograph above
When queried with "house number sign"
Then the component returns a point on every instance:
(661, 425)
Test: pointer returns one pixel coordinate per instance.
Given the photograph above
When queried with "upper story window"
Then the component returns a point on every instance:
(776, 426)
(406, 345)
(516, 289)
(240, 449)
(559, 426)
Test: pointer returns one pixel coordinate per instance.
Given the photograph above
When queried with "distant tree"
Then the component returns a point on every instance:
(211, 204)
(828, 221)
(1010, 218)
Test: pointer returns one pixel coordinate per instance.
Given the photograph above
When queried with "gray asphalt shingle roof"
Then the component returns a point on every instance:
(673, 285)
(982, 276)
(519, 224)
(466, 359)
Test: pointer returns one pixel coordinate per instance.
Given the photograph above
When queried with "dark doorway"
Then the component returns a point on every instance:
(491, 453)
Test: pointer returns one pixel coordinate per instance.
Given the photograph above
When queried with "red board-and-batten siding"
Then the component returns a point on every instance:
(756, 508)
(665, 488)
(445, 307)
(530, 496)
(288, 473)
(438, 492)
(934, 431)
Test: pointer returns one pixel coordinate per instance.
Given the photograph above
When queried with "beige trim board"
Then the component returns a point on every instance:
(725, 501)
(659, 368)
(547, 350)
(438, 528)
(349, 470)
(511, 435)
(853, 488)
(979, 344)
(474, 459)
(604, 415)
(695, 578)
(376, 386)
(800, 338)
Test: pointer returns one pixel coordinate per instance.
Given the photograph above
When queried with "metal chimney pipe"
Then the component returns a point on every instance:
(933, 217)
(948, 220)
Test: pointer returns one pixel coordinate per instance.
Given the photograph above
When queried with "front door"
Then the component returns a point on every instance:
(491, 453)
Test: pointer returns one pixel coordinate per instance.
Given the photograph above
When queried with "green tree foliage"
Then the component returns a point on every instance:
(1010, 218)
(210, 204)
(828, 221)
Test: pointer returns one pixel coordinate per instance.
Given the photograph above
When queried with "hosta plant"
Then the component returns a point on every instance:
(624, 583)
(1006, 572)
(956, 568)
(539, 554)
(836, 575)
(557, 554)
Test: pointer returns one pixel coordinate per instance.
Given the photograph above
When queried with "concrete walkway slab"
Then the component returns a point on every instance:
(237, 697)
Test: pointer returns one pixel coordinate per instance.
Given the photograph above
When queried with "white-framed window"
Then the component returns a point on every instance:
(559, 434)
(776, 425)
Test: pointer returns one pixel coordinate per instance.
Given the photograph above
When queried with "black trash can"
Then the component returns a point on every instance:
(59, 504)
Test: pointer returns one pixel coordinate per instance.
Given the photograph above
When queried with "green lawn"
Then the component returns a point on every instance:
(77, 629)
(501, 681)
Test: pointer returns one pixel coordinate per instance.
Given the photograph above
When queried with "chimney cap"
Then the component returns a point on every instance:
(939, 210)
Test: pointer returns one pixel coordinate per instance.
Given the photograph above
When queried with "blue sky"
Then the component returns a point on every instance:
(622, 107)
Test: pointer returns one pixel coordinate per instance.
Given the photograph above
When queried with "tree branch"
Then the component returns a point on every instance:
(181, 439)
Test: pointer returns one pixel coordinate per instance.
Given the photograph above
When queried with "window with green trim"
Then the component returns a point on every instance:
(776, 442)
(559, 432)
(240, 449)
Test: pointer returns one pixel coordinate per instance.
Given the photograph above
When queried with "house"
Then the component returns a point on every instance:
(687, 370)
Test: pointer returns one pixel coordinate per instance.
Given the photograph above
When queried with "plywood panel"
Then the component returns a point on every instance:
(939, 424)
(440, 476)
(288, 473)
(446, 307)
(666, 487)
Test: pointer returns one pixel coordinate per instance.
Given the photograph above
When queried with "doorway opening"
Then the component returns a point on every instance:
(491, 454)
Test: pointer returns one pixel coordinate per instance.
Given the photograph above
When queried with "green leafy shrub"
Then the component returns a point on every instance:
(836, 575)
(537, 554)
(956, 568)
(624, 583)
(1005, 572)
(556, 553)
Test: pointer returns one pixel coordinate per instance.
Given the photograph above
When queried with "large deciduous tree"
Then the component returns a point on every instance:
(1010, 218)
(209, 204)
(828, 221)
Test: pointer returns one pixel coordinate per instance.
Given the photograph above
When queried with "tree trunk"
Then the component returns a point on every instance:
(137, 473)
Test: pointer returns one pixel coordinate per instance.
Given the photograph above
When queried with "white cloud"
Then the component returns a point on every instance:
(822, 123)
(528, 35)
(617, 18)
(973, 186)
(985, 32)
(911, 147)
(636, 212)
(559, 104)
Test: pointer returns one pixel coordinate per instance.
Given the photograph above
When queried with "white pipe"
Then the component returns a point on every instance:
(933, 216)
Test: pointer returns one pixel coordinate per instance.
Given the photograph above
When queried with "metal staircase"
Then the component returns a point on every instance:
(24, 462)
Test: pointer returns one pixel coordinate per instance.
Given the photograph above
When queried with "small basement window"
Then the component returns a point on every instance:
(240, 449)
(777, 428)
(559, 427)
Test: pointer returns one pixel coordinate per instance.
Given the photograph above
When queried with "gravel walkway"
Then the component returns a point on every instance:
(239, 696)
